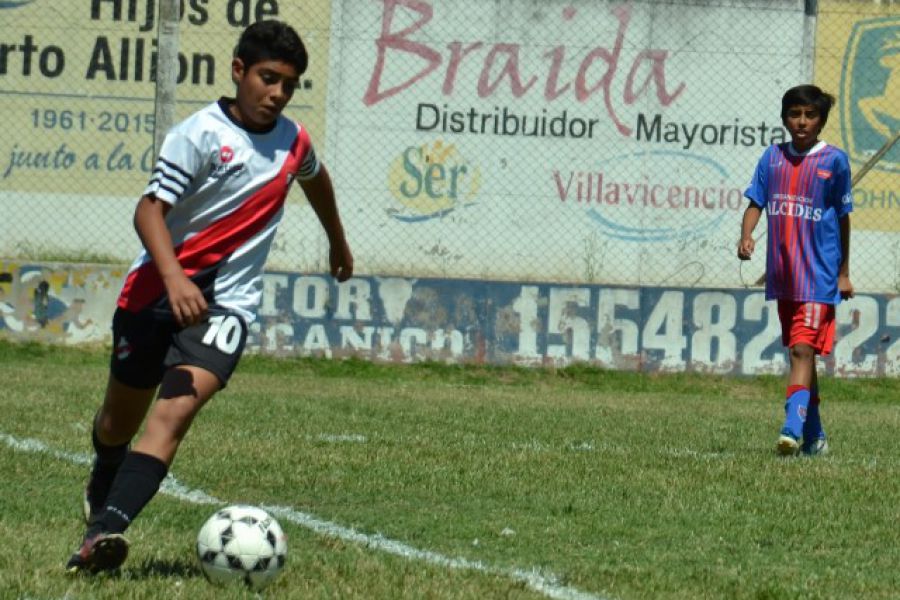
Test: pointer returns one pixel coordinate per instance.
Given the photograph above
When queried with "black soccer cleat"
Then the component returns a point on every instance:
(101, 552)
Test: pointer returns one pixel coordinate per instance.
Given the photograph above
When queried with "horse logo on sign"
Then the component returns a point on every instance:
(870, 91)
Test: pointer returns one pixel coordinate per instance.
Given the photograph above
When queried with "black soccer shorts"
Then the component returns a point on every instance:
(146, 345)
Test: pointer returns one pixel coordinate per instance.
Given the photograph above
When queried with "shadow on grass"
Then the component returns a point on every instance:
(165, 568)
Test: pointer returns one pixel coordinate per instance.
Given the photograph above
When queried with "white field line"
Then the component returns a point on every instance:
(340, 437)
(542, 582)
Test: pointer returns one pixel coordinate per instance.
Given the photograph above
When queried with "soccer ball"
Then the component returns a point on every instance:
(241, 543)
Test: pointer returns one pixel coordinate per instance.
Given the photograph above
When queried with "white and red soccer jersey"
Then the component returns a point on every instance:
(226, 187)
(805, 196)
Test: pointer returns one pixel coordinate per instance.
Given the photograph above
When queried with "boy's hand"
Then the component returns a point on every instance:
(845, 287)
(186, 300)
(341, 261)
(745, 248)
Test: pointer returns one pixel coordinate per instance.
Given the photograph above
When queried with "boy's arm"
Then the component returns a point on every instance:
(844, 285)
(320, 194)
(747, 244)
(185, 298)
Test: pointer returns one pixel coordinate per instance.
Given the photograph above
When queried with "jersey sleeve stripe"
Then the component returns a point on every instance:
(173, 191)
(176, 178)
(161, 180)
(175, 168)
(309, 167)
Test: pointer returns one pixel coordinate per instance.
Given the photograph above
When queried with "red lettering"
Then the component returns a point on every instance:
(657, 74)
(510, 68)
(457, 53)
(562, 190)
(552, 91)
(398, 41)
(647, 71)
(583, 92)
(653, 200)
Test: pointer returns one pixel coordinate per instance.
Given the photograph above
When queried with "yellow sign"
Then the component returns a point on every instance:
(77, 84)
(858, 60)
(431, 181)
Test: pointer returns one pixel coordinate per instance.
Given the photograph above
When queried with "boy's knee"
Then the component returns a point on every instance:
(802, 352)
(114, 428)
(177, 413)
(111, 433)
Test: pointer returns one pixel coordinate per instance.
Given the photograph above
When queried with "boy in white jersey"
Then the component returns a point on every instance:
(206, 219)
(804, 187)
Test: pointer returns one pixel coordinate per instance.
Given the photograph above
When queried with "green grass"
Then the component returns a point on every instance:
(53, 254)
(620, 485)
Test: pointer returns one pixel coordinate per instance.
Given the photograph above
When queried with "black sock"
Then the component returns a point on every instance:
(135, 485)
(107, 461)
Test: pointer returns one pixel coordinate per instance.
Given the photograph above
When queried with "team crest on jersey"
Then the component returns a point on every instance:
(226, 167)
(823, 174)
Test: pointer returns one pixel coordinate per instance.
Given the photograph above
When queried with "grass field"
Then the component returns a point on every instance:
(432, 481)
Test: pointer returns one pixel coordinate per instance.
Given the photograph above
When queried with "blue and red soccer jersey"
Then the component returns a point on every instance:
(805, 196)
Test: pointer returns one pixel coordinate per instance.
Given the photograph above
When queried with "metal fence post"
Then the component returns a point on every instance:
(166, 71)
(810, 13)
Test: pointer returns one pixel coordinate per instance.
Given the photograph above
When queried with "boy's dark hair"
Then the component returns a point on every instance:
(271, 40)
(802, 95)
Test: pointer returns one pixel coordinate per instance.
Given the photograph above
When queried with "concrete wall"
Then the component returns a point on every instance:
(467, 321)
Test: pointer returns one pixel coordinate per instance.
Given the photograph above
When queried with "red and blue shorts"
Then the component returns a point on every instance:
(810, 323)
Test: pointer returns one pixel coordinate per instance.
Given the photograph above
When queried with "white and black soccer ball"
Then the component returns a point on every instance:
(241, 543)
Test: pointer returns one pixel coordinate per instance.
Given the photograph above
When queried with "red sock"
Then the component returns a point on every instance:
(795, 388)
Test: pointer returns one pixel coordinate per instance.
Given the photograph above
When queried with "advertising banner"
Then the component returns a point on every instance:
(581, 141)
(77, 84)
(394, 319)
(865, 73)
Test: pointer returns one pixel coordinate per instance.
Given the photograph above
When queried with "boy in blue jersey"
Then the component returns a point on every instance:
(804, 187)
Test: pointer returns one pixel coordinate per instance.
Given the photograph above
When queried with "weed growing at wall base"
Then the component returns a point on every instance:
(457, 482)
(52, 254)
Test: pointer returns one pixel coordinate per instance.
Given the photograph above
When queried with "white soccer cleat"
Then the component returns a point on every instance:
(818, 447)
(787, 445)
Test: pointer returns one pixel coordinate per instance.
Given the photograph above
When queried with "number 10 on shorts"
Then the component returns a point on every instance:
(224, 333)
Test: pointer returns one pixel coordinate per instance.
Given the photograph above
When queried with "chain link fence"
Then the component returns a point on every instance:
(520, 140)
